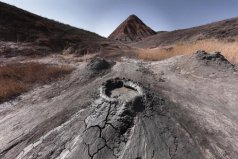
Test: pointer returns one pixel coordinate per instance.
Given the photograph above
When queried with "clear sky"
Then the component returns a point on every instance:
(103, 16)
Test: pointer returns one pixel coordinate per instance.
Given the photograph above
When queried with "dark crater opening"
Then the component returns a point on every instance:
(118, 89)
(122, 89)
(129, 99)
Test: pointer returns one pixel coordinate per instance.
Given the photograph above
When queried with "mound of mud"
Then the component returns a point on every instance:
(127, 121)
(205, 64)
(98, 64)
(216, 58)
(108, 127)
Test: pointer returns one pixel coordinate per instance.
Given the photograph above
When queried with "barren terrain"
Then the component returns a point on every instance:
(67, 93)
(183, 107)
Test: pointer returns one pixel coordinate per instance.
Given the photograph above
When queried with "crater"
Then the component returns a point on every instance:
(123, 93)
(120, 89)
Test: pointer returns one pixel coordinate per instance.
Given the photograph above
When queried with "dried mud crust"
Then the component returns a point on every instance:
(177, 118)
(113, 117)
(115, 125)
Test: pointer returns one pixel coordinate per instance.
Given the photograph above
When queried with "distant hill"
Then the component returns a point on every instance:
(19, 26)
(131, 30)
(222, 30)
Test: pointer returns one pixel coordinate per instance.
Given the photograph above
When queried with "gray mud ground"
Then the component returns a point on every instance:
(182, 108)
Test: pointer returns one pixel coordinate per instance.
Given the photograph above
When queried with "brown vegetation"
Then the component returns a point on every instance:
(20, 77)
(228, 49)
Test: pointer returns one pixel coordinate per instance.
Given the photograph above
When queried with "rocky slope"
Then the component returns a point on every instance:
(132, 29)
(184, 108)
(19, 26)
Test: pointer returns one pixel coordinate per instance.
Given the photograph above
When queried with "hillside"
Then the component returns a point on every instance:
(222, 30)
(214, 37)
(132, 29)
(19, 26)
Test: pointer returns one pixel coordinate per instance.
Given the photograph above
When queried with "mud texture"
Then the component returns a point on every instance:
(98, 64)
(172, 109)
(213, 59)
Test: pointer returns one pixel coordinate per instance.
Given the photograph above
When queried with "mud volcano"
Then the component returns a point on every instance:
(99, 64)
(112, 116)
(120, 90)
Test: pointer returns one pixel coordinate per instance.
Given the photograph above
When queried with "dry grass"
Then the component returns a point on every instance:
(228, 49)
(10, 88)
(18, 78)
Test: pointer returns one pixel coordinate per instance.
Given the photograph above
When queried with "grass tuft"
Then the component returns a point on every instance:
(20, 77)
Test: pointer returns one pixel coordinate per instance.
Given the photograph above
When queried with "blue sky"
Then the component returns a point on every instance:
(103, 16)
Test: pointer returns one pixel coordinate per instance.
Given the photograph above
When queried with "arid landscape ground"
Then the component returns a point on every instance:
(67, 93)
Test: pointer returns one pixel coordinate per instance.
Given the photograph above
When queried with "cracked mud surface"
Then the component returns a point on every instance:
(130, 110)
